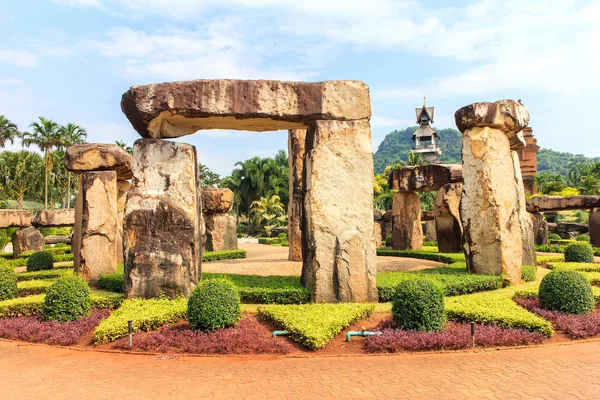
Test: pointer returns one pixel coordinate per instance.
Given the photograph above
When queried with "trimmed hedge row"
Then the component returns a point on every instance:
(21, 262)
(281, 241)
(223, 255)
(574, 266)
(33, 287)
(548, 248)
(549, 259)
(48, 274)
(315, 325)
(447, 258)
(8, 283)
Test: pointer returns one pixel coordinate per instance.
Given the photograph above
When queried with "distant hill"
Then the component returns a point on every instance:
(397, 144)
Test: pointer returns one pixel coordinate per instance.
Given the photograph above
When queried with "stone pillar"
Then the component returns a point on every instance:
(492, 233)
(430, 233)
(594, 227)
(162, 243)
(76, 241)
(527, 235)
(98, 252)
(122, 188)
(446, 210)
(27, 239)
(220, 228)
(540, 229)
(296, 145)
(339, 260)
(407, 232)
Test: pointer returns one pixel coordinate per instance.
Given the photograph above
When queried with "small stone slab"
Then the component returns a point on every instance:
(15, 218)
(57, 239)
(54, 218)
(559, 203)
(424, 178)
(99, 157)
(216, 200)
(174, 109)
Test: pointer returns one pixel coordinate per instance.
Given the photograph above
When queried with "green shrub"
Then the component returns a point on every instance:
(282, 235)
(554, 236)
(40, 261)
(112, 282)
(314, 325)
(574, 266)
(566, 291)
(562, 242)
(67, 299)
(145, 314)
(223, 255)
(418, 305)
(33, 287)
(214, 304)
(579, 252)
(8, 283)
(447, 258)
(547, 248)
(47, 274)
(549, 259)
(272, 289)
(583, 238)
(388, 240)
(528, 273)
(430, 244)
(271, 241)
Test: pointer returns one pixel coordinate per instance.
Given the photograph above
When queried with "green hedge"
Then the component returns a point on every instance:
(33, 305)
(561, 242)
(448, 258)
(528, 273)
(315, 325)
(273, 241)
(22, 261)
(55, 251)
(223, 255)
(549, 259)
(574, 266)
(48, 274)
(531, 293)
(112, 282)
(495, 308)
(8, 283)
(33, 287)
(547, 248)
(146, 314)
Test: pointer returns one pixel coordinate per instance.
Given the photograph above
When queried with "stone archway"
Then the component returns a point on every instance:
(164, 211)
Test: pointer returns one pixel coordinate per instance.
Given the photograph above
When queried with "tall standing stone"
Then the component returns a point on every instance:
(98, 251)
(594, 227)
(407, 232)
(27, 239)
(430, 233)
(447, 218)
(493, 240)
(220, 227)
(540, 229)
(339, 261)
(122, 189)
(162, 241)
(525, 222)
(296, 147)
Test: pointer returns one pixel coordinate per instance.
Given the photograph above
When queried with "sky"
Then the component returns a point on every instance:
(71, 60)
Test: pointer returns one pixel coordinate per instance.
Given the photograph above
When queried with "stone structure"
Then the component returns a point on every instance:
(594, 227)
(447, 218)
(424, 178)
(430, 232)
(15, 218)
(296, 144)
(122, 189)
(559, 203)
(424, 138)
(540, 229)
(568, 230)
(528, 161)
(525, 222)
(492, 233)
(27, 239)
(99, 157)
(161, 233)
(407, 232)
(337, 227)
(54, 239)
(220, 227)
(54, 218)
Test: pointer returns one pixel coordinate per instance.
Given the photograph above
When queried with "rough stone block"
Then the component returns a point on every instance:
(216, 200)
(122, 189)
(559, 203)
(540, 229)
(220, 232)
(430, 232)
(447, 218)
(162, 227)
(15, 218)
(27, 239)
(525, 222)
(594, 227)
(424, 178)
(407, 232)
(296, 151)
(54, 218)
(98, 157)
(339, 261)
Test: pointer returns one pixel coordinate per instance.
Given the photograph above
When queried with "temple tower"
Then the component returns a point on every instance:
(424, 138)
(528, 160)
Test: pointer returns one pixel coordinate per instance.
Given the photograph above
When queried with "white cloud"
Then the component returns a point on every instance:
(20, 58)
(78, 3)
(11, 82)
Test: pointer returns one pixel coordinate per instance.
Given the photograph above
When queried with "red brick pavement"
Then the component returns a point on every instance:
(569, 371)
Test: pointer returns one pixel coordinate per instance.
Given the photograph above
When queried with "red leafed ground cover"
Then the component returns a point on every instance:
(248, 337)
(454, 337)
(576, 326)
(36, 329)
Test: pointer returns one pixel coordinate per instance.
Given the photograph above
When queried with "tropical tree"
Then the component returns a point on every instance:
(207, 177)
(46, 135)
(19, 175)
(8, 131)
(267, 212)
(124, 146)
(71, 134)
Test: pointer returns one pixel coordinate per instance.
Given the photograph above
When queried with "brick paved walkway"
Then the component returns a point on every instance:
(551, 372)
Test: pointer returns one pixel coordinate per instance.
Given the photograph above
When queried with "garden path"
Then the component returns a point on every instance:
(570, 371)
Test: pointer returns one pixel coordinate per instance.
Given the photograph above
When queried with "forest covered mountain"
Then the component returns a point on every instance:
(397, 144)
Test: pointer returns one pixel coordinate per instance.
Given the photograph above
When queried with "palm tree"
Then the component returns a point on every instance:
(20, 174)
(71, 134)
(416, 159)
(124, 146)
(266, 209)
(46, 136)
(8, 131)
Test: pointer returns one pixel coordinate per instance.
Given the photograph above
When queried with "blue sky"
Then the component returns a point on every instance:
(71, 60)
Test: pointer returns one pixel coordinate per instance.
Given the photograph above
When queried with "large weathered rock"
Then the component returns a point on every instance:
(447, 218)
(507, 116)
(54, 239)
(216, 200)
(98, 251)
(559, 203)
(540, 229)
(122, 189)
(162, 228)
(98, 157)
(174, 109)
(337, 228)
(54, 218)
(296, 150)
(220, 232)
(27, 239)
(430, 233)
(525, 222)
(407, 233)
(492, 233)
(568, 230)
(424, 178)
(15, 218)
(594, 227)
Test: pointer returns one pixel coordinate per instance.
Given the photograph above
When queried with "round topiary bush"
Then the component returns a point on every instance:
(214, 304)
(554, 236)
(40, 260)
(8, 283)
(418, 304)
(579, 252)
(583, 238)
(67, 299)
(566, 291)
